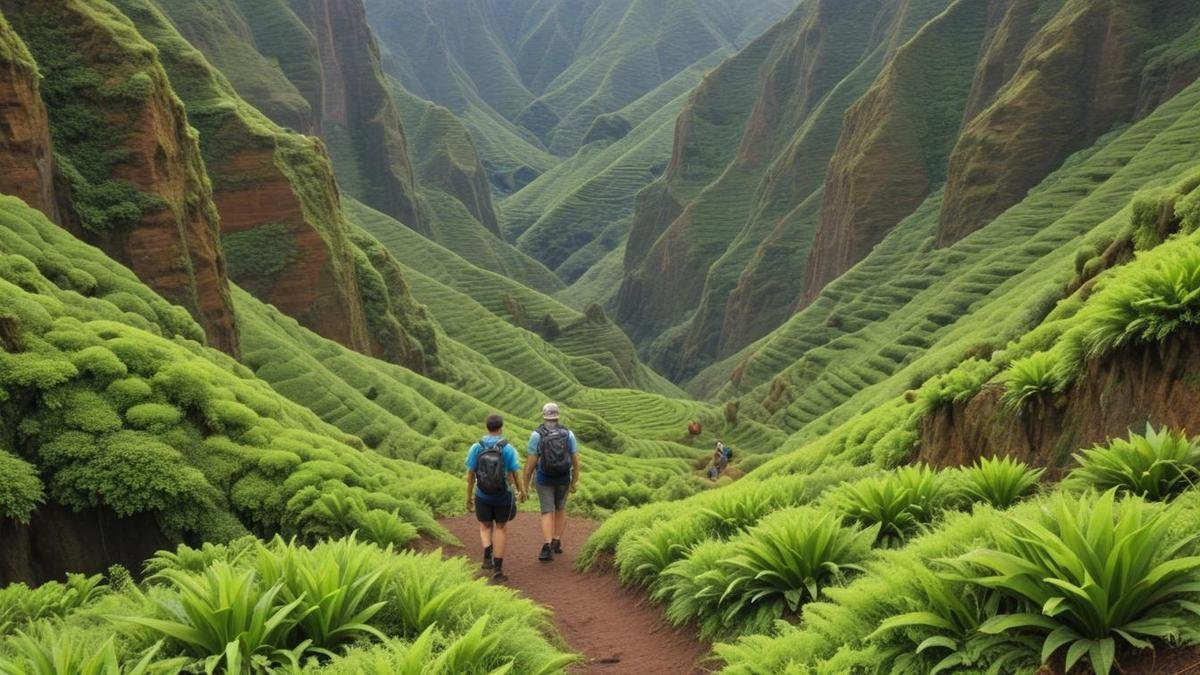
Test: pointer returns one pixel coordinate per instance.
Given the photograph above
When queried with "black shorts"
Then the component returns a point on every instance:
(495, 513)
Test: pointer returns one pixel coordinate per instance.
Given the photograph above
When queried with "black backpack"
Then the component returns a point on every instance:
(490, 470)
(554, 452)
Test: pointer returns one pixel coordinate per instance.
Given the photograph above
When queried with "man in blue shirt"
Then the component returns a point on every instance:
(554, 453)
(491, 465)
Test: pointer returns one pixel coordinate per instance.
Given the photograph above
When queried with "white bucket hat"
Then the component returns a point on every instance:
(550, 411)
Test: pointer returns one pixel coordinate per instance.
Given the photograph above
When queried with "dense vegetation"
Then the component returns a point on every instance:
(946, 318)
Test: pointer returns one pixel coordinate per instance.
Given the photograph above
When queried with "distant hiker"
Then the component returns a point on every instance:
(492, 464)
(720, 459)
(554, 453)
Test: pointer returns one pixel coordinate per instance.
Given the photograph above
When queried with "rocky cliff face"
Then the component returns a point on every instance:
(357, 117)
(893, 148)
(717, 249)
(134, 181)
(284, 234)
(26, 159)
(1093, 66)
(1155, 384)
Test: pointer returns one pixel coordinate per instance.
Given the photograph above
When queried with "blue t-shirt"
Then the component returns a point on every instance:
(534, 440)
(511, 463)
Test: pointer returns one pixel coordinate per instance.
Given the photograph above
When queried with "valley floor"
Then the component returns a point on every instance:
(615, 628)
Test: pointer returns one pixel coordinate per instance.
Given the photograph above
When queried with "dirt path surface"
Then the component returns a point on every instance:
(615, 628)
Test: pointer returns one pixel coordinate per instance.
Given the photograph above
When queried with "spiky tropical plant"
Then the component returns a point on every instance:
(51, 654)
(898, 502)
(1156, 465)
(1090, 573)
(788, 559)
(225, 618)
(1148, 302)
(944, 635)
(1026, 379)
(1000, 481)
(335, 583)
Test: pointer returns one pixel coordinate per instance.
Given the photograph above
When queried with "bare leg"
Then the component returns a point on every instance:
(560, 523)
(548, 526)
(499, 540)
(485, 534)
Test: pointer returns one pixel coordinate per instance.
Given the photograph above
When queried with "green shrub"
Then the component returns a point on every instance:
(642, 558)
(1156, 465)
(956, 386)
(385, 528)
(1030, 378)
(21, 605)
(21, 490)
(225, 618)
(130, 472)
(897, 503)
(944, 635)
(194, 560)
(334, 584)
(155, 417)
(1000, 481)
(1148, 301)
(128, 392)
(36, 371)
(100, 363)
(229, 416)
(90, 412)
(788, 559)
(1089, 573)
(51, 654)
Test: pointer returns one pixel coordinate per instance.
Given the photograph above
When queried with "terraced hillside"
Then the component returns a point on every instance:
(543, 72)
(929, 268)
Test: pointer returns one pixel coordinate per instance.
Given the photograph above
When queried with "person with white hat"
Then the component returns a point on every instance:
(554, 454)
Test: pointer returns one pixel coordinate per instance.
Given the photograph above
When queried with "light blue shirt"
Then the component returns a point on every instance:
(534, 441)
(511, 463)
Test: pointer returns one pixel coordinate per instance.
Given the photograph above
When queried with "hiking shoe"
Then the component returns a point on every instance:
(547, 553)
(499, 577)
(487, 559)
(556, 546)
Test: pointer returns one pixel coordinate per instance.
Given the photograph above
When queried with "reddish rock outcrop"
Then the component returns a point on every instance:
(357, 117)
(98, 72)
(26, 161)
(311, 277)
(1159, 384)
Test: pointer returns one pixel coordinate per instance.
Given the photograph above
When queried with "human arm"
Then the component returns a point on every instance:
(513, 464)
(472, 459)
(520, 487)
(574, 446)
(574, 471)
(531, 459)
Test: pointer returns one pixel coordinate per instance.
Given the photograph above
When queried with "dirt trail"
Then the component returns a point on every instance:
(615, 628)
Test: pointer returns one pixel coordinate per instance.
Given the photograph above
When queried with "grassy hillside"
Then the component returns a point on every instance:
(113, 403)
(896, 318)
(530, 79)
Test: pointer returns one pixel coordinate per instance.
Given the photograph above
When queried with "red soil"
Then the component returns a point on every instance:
(615, 628)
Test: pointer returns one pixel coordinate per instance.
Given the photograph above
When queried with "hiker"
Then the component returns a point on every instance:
(492, 464)
(720, 460)
(553, 452)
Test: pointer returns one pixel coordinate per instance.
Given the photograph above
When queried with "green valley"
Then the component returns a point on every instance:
(875, 325)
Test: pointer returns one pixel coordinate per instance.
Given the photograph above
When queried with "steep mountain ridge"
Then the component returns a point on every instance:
(544, 72)
(133, 179)
(734, 210)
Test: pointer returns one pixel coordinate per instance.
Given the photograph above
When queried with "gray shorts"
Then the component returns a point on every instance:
(552, 497)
